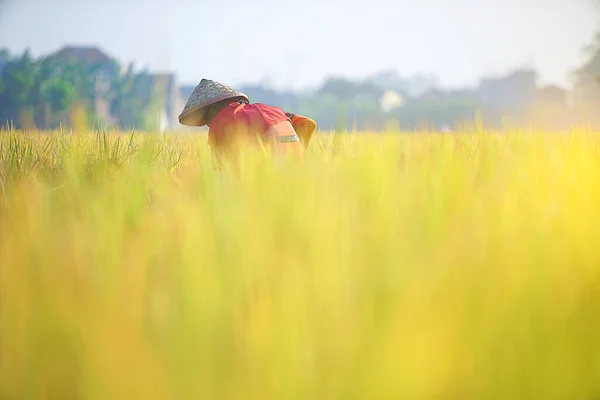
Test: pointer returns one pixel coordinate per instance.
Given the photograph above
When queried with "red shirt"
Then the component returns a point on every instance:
(243, 119)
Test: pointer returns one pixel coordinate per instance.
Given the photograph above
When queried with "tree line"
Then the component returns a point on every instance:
(52, 91)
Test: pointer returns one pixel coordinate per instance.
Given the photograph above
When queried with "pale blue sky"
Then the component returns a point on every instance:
(298, 43)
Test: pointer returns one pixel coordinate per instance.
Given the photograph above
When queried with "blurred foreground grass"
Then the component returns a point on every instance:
(385, 266)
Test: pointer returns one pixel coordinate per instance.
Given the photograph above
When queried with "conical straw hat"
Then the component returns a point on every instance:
(206, 93)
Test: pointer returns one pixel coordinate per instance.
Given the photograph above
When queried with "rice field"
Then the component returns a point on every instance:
(384, 266)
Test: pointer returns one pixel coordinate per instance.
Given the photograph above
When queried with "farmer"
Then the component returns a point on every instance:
(232, 119)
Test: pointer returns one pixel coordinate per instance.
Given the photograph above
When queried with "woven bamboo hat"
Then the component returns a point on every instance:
(206, 93)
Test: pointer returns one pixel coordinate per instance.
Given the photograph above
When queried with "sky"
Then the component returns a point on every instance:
(298, 44)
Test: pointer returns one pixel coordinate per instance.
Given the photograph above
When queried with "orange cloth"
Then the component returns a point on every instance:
(304, 127)
(281, 138)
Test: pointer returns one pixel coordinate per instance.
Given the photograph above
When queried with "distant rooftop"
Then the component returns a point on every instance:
(90, 54)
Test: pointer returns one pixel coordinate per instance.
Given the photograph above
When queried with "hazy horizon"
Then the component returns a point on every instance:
(299, 45)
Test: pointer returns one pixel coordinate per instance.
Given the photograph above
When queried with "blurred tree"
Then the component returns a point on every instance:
(4, 57)
(40, 93)
(45, 92)
(18, 80)
(124, 94)
(587, 77)
(586, 88)
(53, 93)
(344, 89)
(84, 79)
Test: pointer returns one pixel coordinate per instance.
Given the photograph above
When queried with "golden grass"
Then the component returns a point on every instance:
(414, 266)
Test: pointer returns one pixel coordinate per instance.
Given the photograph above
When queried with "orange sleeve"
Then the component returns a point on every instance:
(305, 128)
